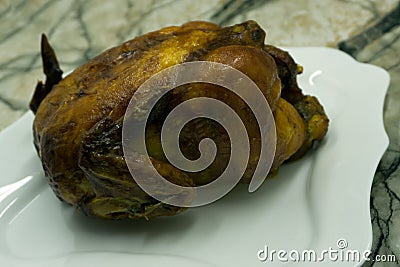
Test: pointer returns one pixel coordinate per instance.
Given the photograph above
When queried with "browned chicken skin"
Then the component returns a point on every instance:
(77, 129)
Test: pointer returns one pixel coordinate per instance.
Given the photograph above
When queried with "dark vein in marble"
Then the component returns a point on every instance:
(32, 63)
(232, 8)
(49, 33)
(393, 150)
(383, 49)
(382, 246)
(392, 193)
(208, 11)
(16, 7)
(382, 226)
(157, 7)
(394, 66)
(6, 64)
(394, 166)
(29, 21)
(379, 242)
(34, 57)
(21, 4)
(122, 33)
(392, 198)
(136, 23)
(355, 44)
(85, 32)
(10, 105)
(367, 5)
(389, 218)
(6, 10)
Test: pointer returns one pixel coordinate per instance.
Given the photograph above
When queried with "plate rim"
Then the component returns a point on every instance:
(379, 123)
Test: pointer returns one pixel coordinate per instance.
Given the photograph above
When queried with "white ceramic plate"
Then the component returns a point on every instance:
(309, 205)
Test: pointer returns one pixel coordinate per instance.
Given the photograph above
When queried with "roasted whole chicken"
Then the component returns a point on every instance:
(77, 128)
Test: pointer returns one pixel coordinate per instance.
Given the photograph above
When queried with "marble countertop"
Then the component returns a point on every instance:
(80, 29)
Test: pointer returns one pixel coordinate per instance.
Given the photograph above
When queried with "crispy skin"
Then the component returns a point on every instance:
(77, 129)
(310, 110)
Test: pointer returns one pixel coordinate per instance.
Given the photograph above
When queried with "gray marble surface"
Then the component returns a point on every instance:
(366, 29)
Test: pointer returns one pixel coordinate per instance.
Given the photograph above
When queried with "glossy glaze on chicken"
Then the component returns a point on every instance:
(77, 128)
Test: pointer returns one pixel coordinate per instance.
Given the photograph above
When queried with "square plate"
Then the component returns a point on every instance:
(319, 202)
